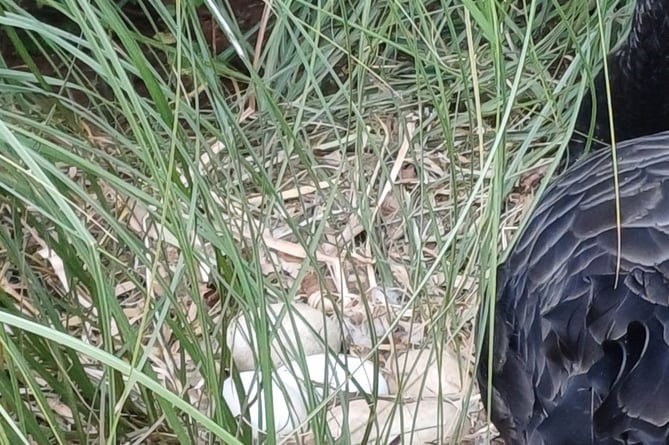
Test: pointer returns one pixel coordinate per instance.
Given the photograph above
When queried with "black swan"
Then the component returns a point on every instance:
(580, 351)
(638, 81)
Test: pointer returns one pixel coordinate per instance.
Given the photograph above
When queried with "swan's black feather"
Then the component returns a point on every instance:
(580, 352)
(581, 348)
(638, 73)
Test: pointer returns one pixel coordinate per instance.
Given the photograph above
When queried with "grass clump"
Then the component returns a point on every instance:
(164, 167)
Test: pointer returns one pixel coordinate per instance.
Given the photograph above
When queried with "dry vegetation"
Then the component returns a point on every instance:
(372, 159)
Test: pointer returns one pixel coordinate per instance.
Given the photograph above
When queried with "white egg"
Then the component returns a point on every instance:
(340, 372)
(424, 373)
(288, 408)
(411, 422)
(303, 332)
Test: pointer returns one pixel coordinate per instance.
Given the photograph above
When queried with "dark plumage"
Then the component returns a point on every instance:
(577, 360)
(581, 339)
(639, 84)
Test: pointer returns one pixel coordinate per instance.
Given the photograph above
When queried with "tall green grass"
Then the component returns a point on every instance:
(103, 132)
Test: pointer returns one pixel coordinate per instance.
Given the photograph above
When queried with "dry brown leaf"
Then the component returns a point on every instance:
(408, 173)
(409, 334)
(530, 181)
(320, 302)
(60, 408)
(124, 288)
(294, 193)
(401, 275)
(389, 208)
(310, 283)
(56, 265)
(352, 229)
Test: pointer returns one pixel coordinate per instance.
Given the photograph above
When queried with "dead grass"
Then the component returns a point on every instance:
(373, 167)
